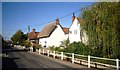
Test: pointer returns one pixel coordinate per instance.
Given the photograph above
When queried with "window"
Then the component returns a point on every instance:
(45, 43)
(75, 31)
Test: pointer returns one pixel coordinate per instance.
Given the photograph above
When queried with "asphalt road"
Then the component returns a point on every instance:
(21, 59)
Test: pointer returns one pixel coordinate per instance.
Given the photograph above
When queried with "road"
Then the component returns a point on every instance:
(21, 59)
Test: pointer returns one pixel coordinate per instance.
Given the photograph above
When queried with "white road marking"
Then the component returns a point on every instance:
(42, 65)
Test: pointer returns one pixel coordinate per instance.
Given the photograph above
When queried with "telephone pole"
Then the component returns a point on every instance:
(28, 31)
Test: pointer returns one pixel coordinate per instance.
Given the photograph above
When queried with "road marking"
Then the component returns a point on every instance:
(42, 65)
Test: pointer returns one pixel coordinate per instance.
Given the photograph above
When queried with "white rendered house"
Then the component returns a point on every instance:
(75, 30)
(52, 34)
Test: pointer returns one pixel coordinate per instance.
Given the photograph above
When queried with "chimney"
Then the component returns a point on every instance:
(73, 17)
(33, 30)
(57, 21)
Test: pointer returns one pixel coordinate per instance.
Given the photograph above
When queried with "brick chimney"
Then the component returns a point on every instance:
(73, 17)
(57, 21)
(33, 30)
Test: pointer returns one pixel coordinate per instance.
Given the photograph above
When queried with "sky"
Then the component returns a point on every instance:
(20, 15)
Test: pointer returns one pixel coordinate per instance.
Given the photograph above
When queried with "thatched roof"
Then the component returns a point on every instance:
(47, 30)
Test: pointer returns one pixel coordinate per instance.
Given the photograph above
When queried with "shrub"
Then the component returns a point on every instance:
(59, 49)
(38, 46)
(52, 48)
(65, 43)
(27, 44)
(77, 48)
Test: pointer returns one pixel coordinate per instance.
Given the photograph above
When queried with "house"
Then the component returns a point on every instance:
(75, 31)
(32, 36)
(52, 34)
(66, 31)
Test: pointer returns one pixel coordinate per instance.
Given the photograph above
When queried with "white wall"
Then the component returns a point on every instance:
(66, 36)
(55, 38)
(42, 41)
(76, 37)
(72, 36)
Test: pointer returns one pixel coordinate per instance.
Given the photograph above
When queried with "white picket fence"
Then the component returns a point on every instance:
(74, 59)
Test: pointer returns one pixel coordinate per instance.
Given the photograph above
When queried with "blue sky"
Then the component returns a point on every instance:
(18, 15)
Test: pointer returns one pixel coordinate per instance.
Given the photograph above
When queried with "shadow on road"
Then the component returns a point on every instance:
(7, 49)
(8, 63)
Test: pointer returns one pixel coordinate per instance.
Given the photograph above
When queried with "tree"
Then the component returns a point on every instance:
(103, 28)
(19, 37)
(65, 43)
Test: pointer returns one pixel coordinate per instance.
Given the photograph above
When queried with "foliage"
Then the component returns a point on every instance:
(65, 43)
(38, 46)
(59, 49)
(78, 48)
(28, 44)
(101, 21)
(53, 48)
(19, 38)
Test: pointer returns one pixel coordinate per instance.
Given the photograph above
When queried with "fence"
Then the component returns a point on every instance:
(89, 61)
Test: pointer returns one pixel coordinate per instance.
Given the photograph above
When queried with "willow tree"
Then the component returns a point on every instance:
(101, 21)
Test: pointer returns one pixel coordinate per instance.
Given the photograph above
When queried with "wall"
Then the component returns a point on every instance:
(74, 36)
(42, 41)
(55, 38)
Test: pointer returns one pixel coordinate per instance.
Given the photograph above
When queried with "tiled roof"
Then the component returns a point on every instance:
(79, 19)
(33, 35)
(66, 30)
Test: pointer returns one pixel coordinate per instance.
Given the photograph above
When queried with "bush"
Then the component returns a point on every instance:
(59, 49)
(53, 48)
(65, 43)
(27, 44)
(38, 46)
(77, 48)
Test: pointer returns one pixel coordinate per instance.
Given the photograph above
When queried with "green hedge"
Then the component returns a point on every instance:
(77, 48)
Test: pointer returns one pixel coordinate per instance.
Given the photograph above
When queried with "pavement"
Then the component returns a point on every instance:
(22, 59)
